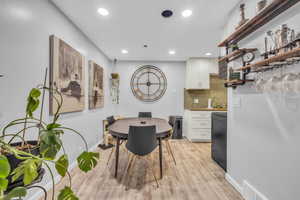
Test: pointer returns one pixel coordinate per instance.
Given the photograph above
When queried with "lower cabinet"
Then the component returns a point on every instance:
(197, 125)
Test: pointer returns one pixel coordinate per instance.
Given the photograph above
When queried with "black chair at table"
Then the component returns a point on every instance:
(141, 143)
(145, 114)
(110, 120)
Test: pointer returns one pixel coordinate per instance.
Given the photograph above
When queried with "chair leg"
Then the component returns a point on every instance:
(153, 171)
(111, 153)
(129, 166)
(170, 150)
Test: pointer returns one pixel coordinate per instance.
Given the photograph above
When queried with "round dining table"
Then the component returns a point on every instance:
(120, 129)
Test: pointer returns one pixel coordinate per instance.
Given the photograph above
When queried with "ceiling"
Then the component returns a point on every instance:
(131, 24)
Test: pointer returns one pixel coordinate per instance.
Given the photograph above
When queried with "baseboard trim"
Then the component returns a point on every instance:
(57, 178)
(234, 183)
(250, 189)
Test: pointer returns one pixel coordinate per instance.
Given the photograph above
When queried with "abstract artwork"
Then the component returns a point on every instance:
(96, 92)
(67, 76)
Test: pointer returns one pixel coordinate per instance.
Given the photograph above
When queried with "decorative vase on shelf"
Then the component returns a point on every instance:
(261, 5)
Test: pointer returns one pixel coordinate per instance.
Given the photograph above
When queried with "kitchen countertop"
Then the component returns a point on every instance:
(207, 109)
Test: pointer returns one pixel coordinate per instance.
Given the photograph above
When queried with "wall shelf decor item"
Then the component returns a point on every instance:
(114, 88)
(243, 18)
(275, 8)
(67, 76)
(267, 63)
(96, 89)
(223, 69)
(261, 5)
(236, 54)
(148, 83)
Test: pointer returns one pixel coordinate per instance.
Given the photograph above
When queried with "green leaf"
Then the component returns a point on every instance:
(53, 126)
(87, 161)
(67, 194)
(35, 93)
(33, 101)
(62, 165)
(29, 169)
(3, 184)
(50, 143)
(16, 192)
(4, 167)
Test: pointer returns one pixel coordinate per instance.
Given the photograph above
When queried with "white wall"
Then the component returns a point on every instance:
(172, 103)
(263, 133)
(24, 55)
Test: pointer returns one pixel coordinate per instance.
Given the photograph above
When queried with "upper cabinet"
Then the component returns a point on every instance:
(197, 72)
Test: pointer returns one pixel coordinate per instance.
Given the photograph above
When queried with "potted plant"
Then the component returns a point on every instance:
(22, 161)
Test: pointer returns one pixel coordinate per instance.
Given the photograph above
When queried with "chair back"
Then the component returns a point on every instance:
(141, 140)
(145, 114)
(110, 120)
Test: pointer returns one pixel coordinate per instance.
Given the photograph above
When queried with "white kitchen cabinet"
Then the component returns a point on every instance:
(197, 125)
(198, 71)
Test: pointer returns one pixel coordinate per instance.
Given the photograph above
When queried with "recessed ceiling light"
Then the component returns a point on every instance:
(187, 13)
(208, 54)
(124, 51)
(172, 52)
(103, 11)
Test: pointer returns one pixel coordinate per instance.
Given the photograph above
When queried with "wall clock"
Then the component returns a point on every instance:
(248, 57)
(148, 83)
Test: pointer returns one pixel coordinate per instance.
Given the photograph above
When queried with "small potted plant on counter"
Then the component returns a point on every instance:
(22, 162)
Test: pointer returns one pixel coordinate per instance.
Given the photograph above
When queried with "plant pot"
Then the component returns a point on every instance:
(15, 162)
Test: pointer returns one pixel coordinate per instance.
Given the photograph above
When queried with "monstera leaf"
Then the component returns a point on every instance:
(29, 169)
(33, 101)
(53, 126)
(16, 192)
(67, 194)
(50, 143)
(4, 167)
(3, 184)
(62, 165)
(87, 161)
(4, 172)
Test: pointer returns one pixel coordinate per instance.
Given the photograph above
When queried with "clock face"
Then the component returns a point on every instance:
(148, 83)
(248, 57)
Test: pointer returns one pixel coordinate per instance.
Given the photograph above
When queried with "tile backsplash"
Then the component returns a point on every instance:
(217, 92)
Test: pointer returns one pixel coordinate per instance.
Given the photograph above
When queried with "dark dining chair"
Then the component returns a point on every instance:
(110, 120)
(145, 114)
(141, 143)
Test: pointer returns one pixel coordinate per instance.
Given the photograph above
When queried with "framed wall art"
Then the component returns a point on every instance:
(96, 90)
(67, 76)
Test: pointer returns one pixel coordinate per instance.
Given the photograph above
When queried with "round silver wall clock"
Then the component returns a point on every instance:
(148, 83)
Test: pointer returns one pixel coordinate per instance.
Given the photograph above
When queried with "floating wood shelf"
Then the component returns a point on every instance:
(236, 54)
(273, 59)
(263, 17)
(238, 81)
(235, 83)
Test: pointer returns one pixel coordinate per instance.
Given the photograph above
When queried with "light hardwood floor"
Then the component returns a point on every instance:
(195, 177)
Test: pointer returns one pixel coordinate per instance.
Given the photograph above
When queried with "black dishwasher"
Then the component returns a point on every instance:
(219, 138)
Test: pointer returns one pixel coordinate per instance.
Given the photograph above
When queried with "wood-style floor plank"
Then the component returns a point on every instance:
(195, 177)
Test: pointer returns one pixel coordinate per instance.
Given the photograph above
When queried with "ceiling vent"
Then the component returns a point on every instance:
(167, 13)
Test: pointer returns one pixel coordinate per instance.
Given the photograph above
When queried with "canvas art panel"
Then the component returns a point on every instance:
(96, 91)
(67, 76)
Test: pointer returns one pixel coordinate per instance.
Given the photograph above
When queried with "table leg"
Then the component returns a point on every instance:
(160, 158)
(117, 156)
